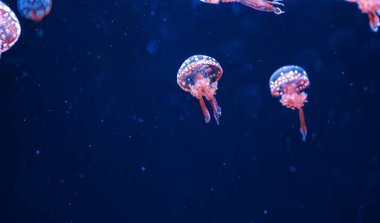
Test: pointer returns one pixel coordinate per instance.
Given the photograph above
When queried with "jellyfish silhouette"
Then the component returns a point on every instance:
(35, 10)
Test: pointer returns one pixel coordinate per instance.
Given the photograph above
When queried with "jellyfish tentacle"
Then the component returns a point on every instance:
(303, 128)
(264, 5)
(277, 2)
(205, 111)
(211, 1)
(216, 109)
(374, 21)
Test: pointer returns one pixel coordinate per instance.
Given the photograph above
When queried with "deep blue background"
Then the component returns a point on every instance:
(94, 127)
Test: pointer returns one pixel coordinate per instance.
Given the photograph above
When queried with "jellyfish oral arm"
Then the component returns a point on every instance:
(204, 110)
(303, 128)
(198, 90)
(262, 5)
(216, 109)
(374, 21)
(203, 88)
(294, 100)
(211, 1)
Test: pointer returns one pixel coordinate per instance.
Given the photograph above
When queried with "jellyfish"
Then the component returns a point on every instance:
(10, 28)
(199, 75)
(35, 10)
(261, 5)
(372, 8)
(288, 82)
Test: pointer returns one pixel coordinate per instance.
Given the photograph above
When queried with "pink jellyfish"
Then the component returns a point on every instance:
(372, 8)
(288, 82)
(10, 28)
(199, 75)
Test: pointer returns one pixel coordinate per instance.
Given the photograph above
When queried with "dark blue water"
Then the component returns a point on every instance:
(94, 127)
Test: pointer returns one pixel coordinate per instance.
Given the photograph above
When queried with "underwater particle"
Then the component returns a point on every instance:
(261, 5)
(138, 119)
(265, 212)
(38, 152)
(34, 10)
(39, 32)
(199, 75)
(288, 82)
(292, 169)
(372, 9)
(152, 47)
(10, 28)
(24, 74)
(143, 168)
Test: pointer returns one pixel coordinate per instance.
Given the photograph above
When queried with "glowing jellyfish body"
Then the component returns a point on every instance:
(199, 75)
(35, 10)
(288, 82)
(10, 28)
(372, 8)
(261, 5)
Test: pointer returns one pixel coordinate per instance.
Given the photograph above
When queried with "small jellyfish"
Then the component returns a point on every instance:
(372, 8)
(10, 28)
(288, 82)
(35, 10)
(199, 75)
(261, 5)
